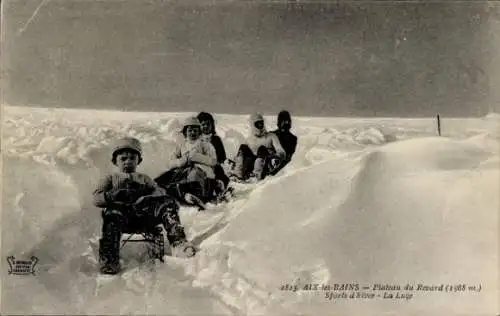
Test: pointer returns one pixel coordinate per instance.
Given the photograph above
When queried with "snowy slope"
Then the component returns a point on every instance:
(364, 201)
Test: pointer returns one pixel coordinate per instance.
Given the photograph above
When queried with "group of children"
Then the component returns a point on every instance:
(132, 201)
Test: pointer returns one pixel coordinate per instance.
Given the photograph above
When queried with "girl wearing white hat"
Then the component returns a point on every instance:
(193, 165)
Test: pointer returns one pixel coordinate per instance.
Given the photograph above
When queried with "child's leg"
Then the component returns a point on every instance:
(166, 178)
(238, 167)
(258, 168)
(244, 162)
(181, 189)
(260, 164)
(221, 175)
(109, 247)
(168, 214)
(210, 189)
(196, 175)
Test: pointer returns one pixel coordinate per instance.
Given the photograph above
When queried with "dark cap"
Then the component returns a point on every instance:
(284, 116)
(204, 116)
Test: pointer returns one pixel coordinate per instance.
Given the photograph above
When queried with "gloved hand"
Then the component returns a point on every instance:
(274, 163)
(113, 212)
(184, 161)
(191, 157)
(142, 202)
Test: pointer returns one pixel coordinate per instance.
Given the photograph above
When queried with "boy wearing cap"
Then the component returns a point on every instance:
(130, 198)
(260, 154)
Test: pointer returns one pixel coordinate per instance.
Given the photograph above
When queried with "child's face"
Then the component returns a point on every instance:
(285, 125)
(127, 161)
(193, 132)
(258, 128)
(259, 125)
(206, 127)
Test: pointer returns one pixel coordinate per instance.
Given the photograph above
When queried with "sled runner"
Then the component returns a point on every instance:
(155, 242)
(153, 237)
(144, 222)
(144, 229)
(151, 233)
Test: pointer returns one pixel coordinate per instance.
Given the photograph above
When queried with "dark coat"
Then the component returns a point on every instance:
(288, 141)
(219, 148)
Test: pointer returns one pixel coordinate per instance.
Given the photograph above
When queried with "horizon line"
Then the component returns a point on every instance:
(234, 114)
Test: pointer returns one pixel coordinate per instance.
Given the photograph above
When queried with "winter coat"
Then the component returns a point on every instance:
(268, 140)
(288, 141)
(139, 185)
(201, 153)
(216, 142)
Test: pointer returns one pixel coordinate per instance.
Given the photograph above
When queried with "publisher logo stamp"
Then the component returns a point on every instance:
(22, 267)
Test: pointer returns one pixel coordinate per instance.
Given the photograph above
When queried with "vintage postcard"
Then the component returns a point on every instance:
(250, 157)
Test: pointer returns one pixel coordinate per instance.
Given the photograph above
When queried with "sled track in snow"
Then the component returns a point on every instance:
(233, 289)
(244, 296)
(216, 228)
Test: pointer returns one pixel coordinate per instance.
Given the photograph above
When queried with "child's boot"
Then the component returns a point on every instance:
(177, 239)
(238, 168)
(109, 245)
(191, 193)
(258, 169)
(109, 259)
(183, 249)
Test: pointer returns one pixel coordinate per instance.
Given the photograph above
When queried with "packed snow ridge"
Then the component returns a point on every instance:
(364, 202)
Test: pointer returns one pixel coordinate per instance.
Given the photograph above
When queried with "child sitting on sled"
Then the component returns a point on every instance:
(260, 154)
(130, 198)
(191, 178)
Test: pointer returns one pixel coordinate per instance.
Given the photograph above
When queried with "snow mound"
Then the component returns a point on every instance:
(402, 212)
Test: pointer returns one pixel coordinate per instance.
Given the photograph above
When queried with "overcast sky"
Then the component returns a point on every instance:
(375, 59)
